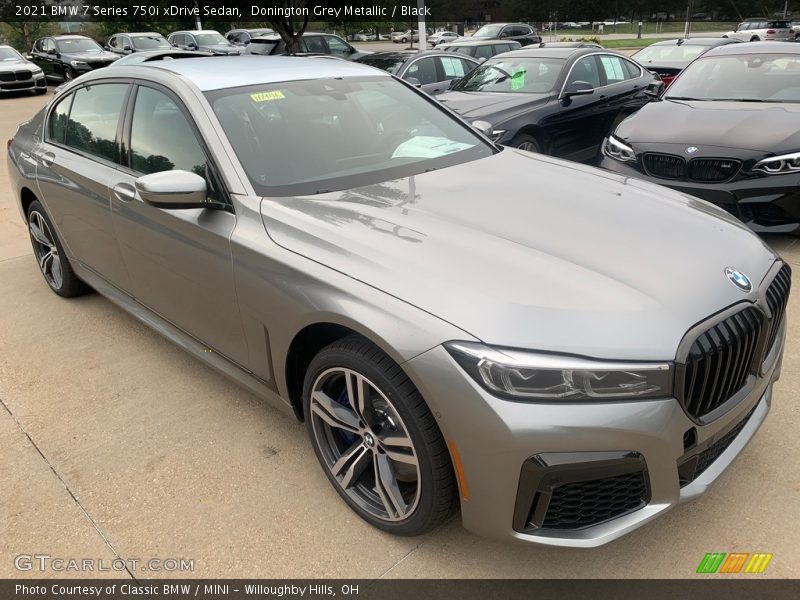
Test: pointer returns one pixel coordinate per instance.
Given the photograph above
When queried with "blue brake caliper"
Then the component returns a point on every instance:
(348, 437)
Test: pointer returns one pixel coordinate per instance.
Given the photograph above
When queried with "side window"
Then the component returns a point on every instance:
(585, 70)
(243, 38)
(126, 42)
(231, 36)
(188, 40)
(57, 125)
(161, 137)
(177, 39)
(337, 46)
(469, 51)
(48, 45)
(315, 43)
(614, 70)
(633, 70)
(92, 126)
(485, 51)
(454, 68)
(112, 43)
(424, 70)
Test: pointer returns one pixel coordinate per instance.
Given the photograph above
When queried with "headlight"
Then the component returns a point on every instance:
(37, 71)
(614, 148)
(524, 375)
(779, 165)
(78, 63)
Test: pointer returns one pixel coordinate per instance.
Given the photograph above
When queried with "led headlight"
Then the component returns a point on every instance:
(78, 64)
(779, 165)
(37, 71)
(524, 375)
(615, 148)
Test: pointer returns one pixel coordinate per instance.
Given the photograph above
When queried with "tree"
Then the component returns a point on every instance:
(287, 27)
(22, 34)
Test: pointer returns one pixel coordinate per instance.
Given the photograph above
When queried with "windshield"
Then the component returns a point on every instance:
(262, 46)
(320, 135)
(78, 45)
(9, 54)
(743, 78)
(150, 42)
(210, 39)
(391, 64)
(514, 75)
(487, 32)
(670, 53)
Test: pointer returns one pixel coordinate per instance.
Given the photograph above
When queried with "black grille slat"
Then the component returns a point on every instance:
(665, 166)
(719, 362)
(587, 503)
(713, 169)
(777, 296)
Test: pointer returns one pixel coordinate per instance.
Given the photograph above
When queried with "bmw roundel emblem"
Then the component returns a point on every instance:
(691, 150)
(739, 279)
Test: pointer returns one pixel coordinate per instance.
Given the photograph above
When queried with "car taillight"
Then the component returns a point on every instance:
(8, 143)
(771, 31)
(667, 79)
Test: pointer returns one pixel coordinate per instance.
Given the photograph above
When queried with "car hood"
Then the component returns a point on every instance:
(89, 56)
(222, 49)
(748, 126)
(13, 65)
(527, 251)
(490, 106)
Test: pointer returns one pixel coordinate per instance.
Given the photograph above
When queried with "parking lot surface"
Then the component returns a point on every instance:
(115, 443)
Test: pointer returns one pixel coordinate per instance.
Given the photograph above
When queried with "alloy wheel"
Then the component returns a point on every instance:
(45, 249)
(529, 146)
(365, 444)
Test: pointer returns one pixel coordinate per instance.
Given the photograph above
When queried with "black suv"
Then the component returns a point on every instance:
(64, 57)
(524, 34)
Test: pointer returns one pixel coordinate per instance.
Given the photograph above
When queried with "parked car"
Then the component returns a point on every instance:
(479, 49)
(449, 320)
(731, 138)
(442, 37)
(206, 40)
(432, 71)
(795, 33)
(242, 37)
(403, 37)
(310, 43)
(559, 101)
(18, 73)
(64, 57)
(524, 34)
(127, 43)
(757, 30)
(670, 57)
(366, 36)
(568, 45)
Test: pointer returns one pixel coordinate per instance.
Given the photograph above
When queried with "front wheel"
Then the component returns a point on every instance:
(526, 142)
(755, 38)
(50, 255)
(69, 74)
(376, 439)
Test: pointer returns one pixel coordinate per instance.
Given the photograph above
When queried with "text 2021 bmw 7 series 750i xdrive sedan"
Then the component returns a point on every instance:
(566, 352)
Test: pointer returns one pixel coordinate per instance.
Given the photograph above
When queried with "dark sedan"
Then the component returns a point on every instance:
(64, 57)
(480, 49)
(432, 72)
(732, 138)
(128, 43)
(560, 101)
(670, 57)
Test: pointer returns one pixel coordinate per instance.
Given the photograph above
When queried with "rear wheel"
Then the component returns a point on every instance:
(376, 439)
(50, 255)
(755, 38)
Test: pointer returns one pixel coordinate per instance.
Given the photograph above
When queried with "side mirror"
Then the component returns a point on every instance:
(578, 88)
(484, 127)
(654, 89)
(503, 35)
(454, 82)
(28, 56)
(127, 49)
(414, 81)
(174, 190)
(51, 51)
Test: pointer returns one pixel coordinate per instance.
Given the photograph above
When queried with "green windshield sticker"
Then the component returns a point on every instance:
(267, 96)
(518, 79)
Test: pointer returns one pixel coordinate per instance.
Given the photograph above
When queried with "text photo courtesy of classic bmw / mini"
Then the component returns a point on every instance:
(399, 289)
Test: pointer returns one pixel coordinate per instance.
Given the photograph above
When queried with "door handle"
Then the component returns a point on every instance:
(46, 158)
(124, 192)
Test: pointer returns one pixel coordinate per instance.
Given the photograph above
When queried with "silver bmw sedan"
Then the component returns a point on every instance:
(564, 352)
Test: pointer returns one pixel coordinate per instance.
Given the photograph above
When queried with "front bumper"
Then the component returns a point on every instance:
(38, 82)
(497, 441)
(769, 204)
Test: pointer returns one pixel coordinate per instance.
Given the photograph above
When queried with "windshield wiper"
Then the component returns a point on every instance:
(686, 98)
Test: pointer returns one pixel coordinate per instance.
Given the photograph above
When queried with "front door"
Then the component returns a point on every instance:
(179, 260)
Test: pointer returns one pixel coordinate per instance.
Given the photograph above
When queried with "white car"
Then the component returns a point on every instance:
(795, 34)
(757, 30)
(402, 37)
(441, 37)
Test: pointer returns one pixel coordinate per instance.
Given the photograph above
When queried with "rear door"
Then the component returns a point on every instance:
(624, 88)
(77, 162)
(179, 260)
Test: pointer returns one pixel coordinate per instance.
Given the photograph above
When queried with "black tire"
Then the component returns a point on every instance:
(69, 74)
(67, 284)
(527, 142)
(404, 40)
(435, 491)
(755, 38)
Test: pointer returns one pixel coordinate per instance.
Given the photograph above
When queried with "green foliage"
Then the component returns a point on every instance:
(22, 34)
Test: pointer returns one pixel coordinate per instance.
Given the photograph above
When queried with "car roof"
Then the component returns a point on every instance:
(755, 48)
(538, 52)
(196, 31)
(698, 41)
(237, 71)
(479, 42)
(141, 33)
(69, 36)
(406, 54)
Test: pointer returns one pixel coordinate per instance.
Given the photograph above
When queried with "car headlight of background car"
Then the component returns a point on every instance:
(615, 148)
(79, 64)
(779, 165)
(525, 375)
(37, 71)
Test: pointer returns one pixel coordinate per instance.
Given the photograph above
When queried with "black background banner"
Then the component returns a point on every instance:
(712, 588)
(391, 11)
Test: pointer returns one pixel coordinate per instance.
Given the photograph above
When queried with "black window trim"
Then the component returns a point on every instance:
(124, 134)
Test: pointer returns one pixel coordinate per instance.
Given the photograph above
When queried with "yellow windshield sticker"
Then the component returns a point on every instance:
(267, 96)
